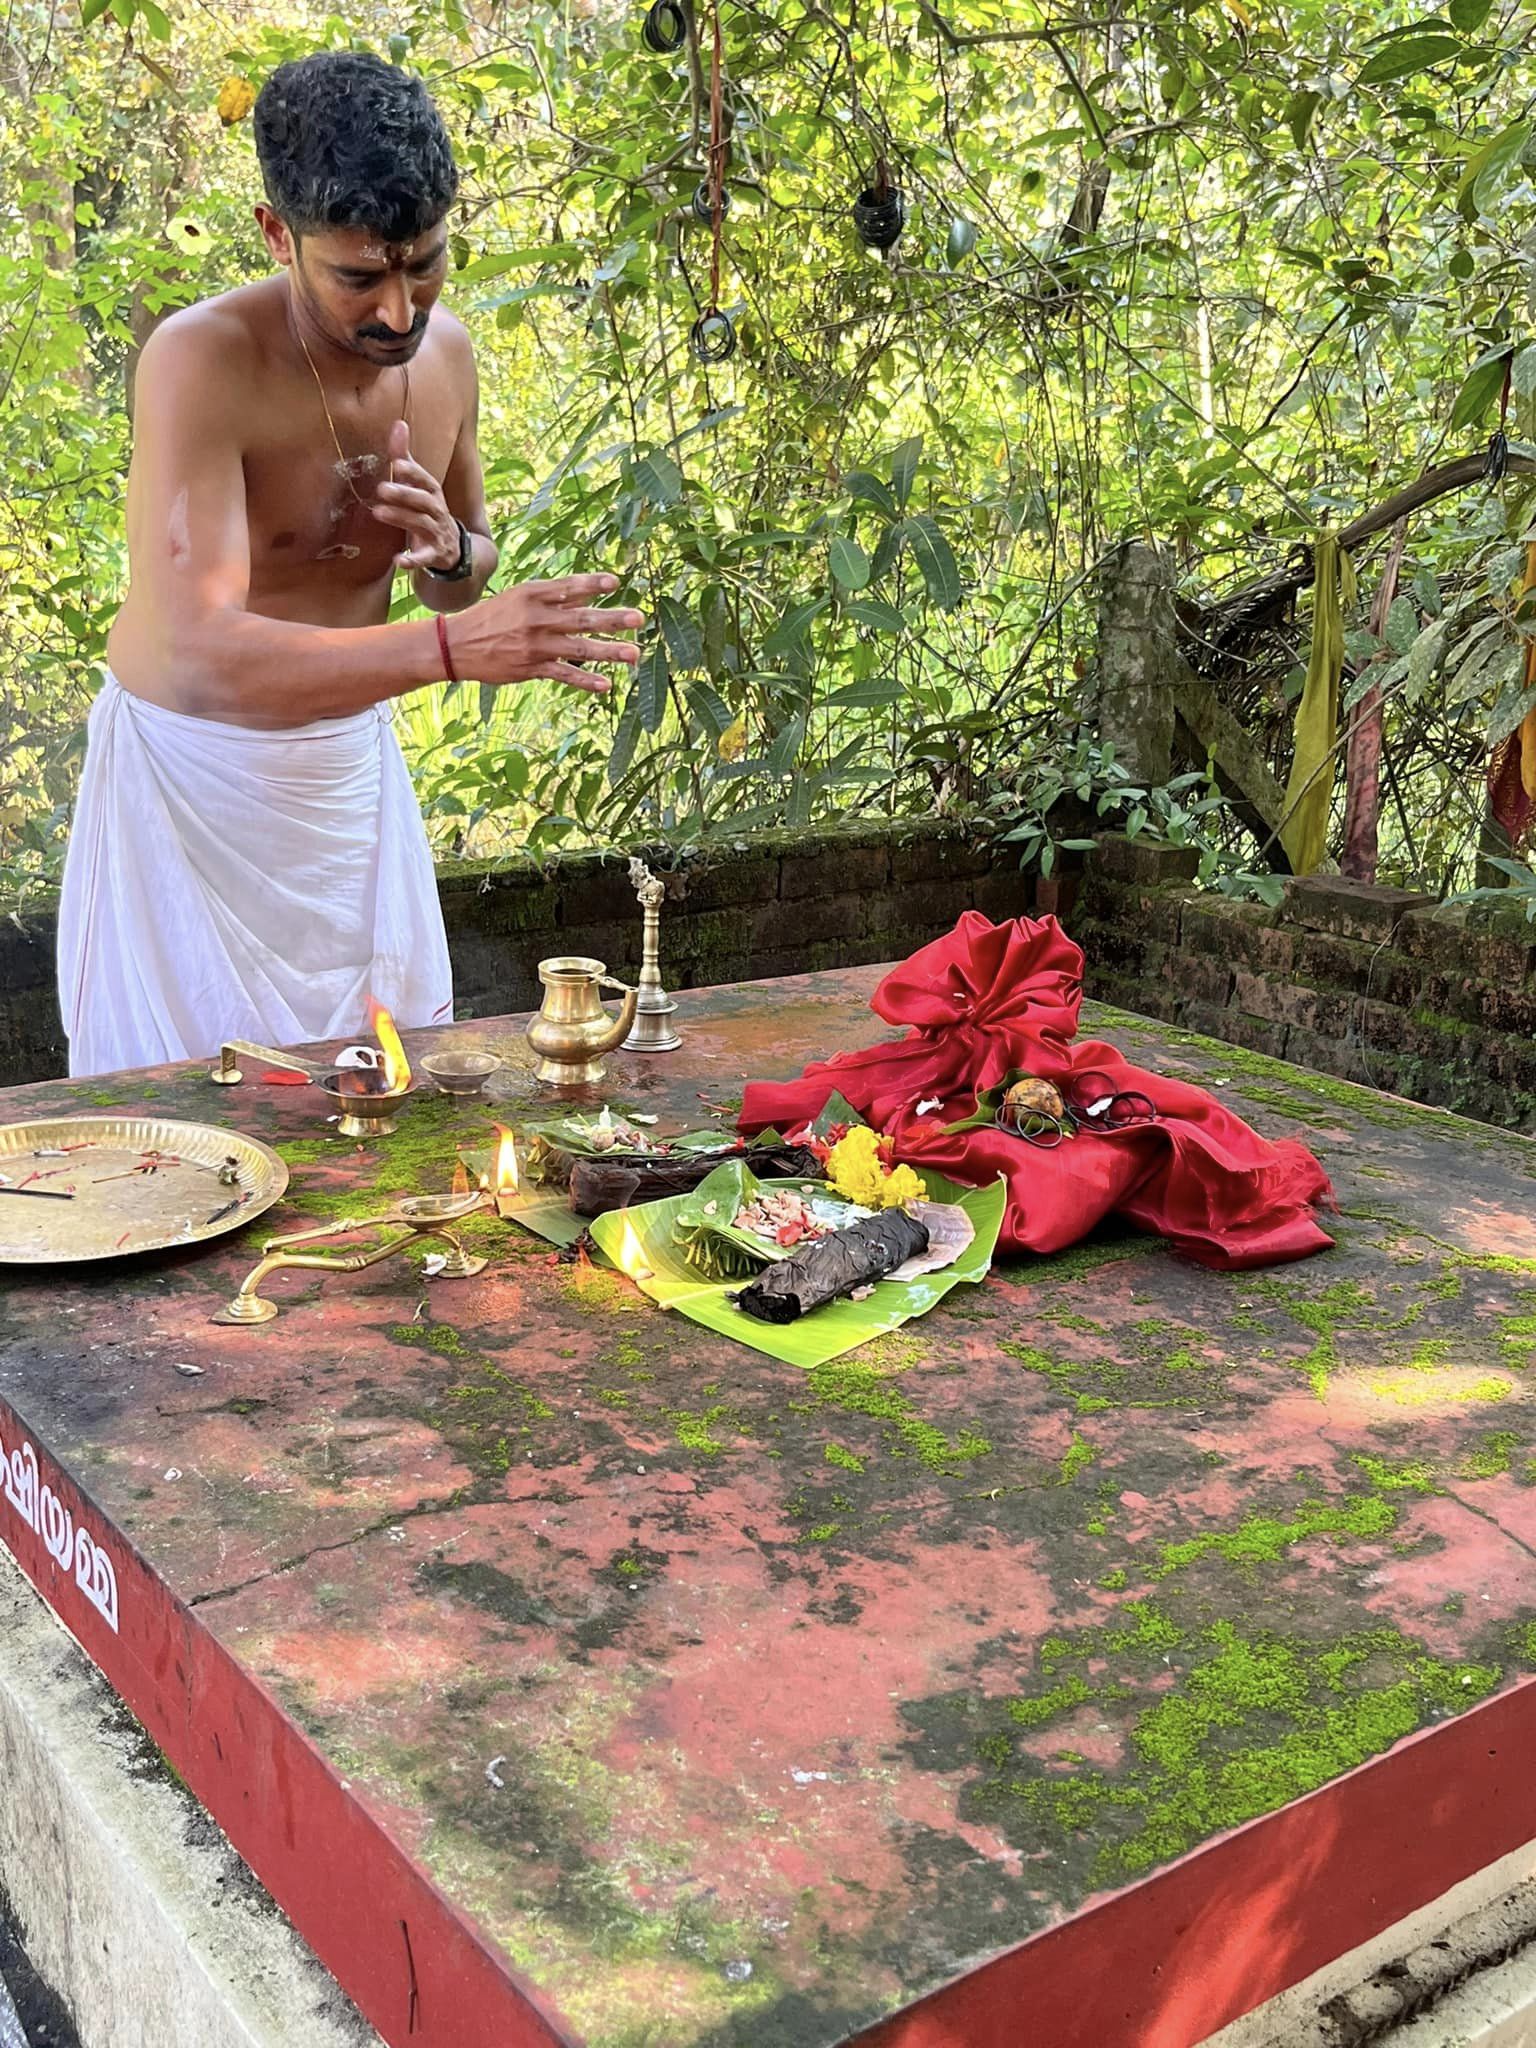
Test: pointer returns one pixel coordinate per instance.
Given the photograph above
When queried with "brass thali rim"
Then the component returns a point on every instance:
(85, 1239)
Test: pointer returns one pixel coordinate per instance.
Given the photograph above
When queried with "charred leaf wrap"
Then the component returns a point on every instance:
(609, 1182)
(818, 1273)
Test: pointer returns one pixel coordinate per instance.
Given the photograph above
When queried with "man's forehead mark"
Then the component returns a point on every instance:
(397, 255)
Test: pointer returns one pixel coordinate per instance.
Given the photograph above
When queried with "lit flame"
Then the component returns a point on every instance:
(506, 1181)
(397, 1068)
(632, 1256)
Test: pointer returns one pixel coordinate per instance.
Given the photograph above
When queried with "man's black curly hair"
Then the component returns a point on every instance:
(347, 141)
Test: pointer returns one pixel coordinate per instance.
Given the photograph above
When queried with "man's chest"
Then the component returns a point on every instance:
(310, 483)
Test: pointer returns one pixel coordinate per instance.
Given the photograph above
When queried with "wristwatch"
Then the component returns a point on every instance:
(464, 566)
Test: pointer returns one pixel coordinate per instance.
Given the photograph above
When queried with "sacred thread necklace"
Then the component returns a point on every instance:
(343, 464)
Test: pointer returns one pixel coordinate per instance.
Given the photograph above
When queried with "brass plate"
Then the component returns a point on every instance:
(112, 1218)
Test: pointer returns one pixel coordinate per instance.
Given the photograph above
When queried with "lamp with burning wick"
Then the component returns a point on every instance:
(409, 1221)
(653, 1032)
(367, 1096)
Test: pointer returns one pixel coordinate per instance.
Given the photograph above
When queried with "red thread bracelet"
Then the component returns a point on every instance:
(443, 648)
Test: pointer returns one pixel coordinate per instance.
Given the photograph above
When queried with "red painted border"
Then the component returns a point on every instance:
(419, 1971)
(1167, 1962)
(1163, 1964)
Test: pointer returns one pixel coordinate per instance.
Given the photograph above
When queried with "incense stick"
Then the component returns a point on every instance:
(39, 1194)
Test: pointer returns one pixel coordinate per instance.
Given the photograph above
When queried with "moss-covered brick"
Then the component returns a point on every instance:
(729, 880)
(932, 858)
(834, 870)
(1352, 910)
(1240, 933)
(776, 926)
(1146, 861)
(1255, 1034)
(1325, 960)
(1283, 1002)
(1003, 893)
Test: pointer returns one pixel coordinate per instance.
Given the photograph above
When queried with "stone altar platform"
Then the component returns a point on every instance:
(1082, 1664)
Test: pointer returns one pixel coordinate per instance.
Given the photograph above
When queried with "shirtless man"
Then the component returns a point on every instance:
(248, 859)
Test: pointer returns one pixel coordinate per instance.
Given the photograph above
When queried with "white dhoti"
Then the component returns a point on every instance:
(223, 882)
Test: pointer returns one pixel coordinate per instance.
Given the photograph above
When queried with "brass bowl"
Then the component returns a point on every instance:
(460, 1073)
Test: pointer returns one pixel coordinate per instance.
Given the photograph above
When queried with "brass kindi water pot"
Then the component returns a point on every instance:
(572, 1031)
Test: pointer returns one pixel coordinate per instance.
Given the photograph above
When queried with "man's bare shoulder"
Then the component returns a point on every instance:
(451, 338)
(227, 337)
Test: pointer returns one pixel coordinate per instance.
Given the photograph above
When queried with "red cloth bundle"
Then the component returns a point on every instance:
(990, 999)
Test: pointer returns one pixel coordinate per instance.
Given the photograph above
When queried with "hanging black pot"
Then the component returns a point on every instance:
(703, 206)
(664, 29)
(879, 216)
(712, 338)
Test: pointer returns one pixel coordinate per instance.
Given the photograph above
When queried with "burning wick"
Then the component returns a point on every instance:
(504, 1180)
(397, 1068)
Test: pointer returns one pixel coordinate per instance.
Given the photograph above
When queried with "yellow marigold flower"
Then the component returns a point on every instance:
(236, 98)
(859, 1174)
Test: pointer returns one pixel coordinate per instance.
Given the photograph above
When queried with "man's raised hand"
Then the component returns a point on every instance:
(544, 629)
(413, 500)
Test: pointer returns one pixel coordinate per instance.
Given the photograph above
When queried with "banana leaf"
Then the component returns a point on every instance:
(988, 1102)
(544, 1211)
(705, 1231)
(551, 1143)
(837, 1109)
(640, 1243)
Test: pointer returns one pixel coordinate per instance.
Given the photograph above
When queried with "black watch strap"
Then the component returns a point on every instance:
(464, 567)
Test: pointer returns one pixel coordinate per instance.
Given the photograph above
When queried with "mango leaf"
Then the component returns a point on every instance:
(1301, 110)
(1522, 375)
(886, 551)
(791, 629)
(515, 259)
(681, 631)
(874, 693)
(848, 562)
(1408, 55)
(1513, 708)
(904, 467)
(709, 709)
(1486, 166)
(1483, 385)
(935, 557)
(785, 747)
(657, 477)
(874, 611)
(961, 239)
(1469, 15)
(650, 691)
(624, 738)
(873, 490)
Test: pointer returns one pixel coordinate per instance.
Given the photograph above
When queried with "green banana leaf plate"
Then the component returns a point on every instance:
(641, 1244)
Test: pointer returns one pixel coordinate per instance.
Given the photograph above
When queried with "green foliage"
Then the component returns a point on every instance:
(1211, 276)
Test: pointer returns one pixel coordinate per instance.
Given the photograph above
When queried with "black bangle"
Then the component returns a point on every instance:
(464, 567)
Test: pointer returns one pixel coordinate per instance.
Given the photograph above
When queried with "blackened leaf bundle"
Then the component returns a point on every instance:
(818, 1273)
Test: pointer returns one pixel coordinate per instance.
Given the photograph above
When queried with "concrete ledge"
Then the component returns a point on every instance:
(131, 1902)
(1460, 1973)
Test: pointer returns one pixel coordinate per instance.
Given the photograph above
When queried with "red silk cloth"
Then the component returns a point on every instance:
(989, 999)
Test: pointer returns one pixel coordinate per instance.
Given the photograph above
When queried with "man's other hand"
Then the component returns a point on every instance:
(413, 500)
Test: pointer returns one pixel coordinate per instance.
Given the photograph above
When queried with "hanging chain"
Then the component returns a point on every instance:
(716, 163)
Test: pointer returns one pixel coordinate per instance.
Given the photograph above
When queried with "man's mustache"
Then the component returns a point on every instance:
(388, 334)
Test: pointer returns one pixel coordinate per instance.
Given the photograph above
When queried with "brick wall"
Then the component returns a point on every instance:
(770, 903)
(1369, 984)
(1374, 985)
